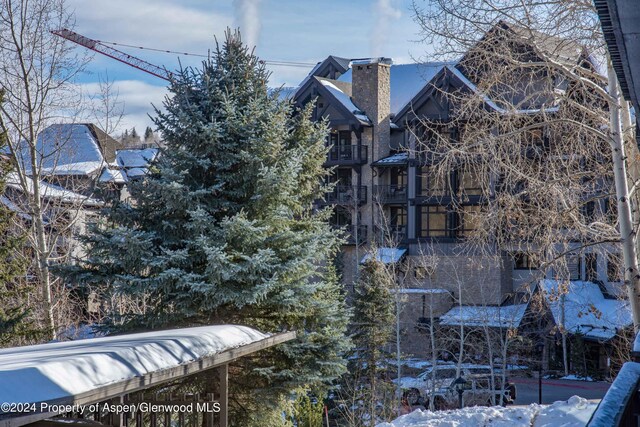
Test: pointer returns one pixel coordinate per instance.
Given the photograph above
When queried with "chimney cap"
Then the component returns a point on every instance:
(379, 60)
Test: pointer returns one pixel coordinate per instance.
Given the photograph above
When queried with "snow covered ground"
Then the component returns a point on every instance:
(574, 412)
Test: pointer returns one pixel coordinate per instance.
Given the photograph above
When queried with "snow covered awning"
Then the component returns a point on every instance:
(398, 159)
(508, 316)
(93, 370)
(586, 310)
(386, 255)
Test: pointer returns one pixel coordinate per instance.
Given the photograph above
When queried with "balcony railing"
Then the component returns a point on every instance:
(390, 235)
(347, 195)
(350, 231)
(347, 155)
(390, 194)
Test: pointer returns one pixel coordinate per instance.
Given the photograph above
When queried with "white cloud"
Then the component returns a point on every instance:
(150, 23)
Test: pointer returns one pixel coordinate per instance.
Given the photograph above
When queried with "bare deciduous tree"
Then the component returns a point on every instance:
(540, 128)
(37, 70)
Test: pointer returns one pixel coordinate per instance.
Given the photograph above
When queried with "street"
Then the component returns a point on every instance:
(552, 390)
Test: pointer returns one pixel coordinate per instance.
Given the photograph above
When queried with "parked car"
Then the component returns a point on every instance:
(437, 381)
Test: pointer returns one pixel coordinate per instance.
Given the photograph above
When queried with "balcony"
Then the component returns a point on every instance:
(389, 236)
(348, 195)
(390, 194)
(347, 155)
(350, 231)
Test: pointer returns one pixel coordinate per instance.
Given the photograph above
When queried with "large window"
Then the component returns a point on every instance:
(340, 138)
(434, 221)
(430, 185)
(398, 177)
(470, 179)
(469, 220)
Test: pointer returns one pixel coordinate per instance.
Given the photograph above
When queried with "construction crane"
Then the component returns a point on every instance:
(140, 64)
(116, 54)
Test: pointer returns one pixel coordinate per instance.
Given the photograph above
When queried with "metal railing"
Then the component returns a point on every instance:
(390, 194)
(347, 155)
(347, 195)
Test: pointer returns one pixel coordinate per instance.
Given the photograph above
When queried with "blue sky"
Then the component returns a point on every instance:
(292, 30)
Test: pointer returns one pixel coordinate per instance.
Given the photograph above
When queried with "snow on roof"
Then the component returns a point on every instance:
(113, 175)
(394, 159)
(136, 158)
(406, 81)
(14, 208)
(613, 403)
(51, 191)
(59, 370)
(490, 102)
(508, 316)
(386, 255)
(586, 311)
(136, 172)
(65, 149)
(344, 99)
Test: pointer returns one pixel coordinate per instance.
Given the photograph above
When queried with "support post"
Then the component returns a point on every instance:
(223, 385)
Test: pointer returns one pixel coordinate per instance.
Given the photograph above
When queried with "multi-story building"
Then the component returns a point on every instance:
(387, 196)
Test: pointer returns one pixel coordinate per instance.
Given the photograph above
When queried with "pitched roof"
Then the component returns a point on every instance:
(385, 255)
(71, 149)
(393, 160)
(586, 310)
(406, 81)
(341, 92)
(508, 316)
(52, 192)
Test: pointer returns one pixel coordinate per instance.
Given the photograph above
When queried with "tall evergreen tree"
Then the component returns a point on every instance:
(223, 229)
(148, 134)
(14, 323)
(372, 330)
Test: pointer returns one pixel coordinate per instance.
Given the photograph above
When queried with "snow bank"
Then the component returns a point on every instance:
(571, 413)
(46, 372)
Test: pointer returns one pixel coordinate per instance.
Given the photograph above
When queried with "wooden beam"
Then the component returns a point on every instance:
(150, 380)
(223, 386)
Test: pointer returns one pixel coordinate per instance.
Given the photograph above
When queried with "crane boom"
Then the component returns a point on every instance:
(116, 54)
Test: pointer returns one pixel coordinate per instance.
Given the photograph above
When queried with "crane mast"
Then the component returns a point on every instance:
(116, 54)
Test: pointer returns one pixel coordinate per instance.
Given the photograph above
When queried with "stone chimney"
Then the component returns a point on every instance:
(371, 92)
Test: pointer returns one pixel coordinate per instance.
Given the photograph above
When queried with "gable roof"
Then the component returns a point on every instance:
(71, 149)
(586, 310)
(341, 92)
(406, 81)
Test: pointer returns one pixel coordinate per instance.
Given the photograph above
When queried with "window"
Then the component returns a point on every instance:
(574, 265)
(471, 180)
(469, 220)
(591, 267)
(614, 270)
(342, 137)
(434, 221)
(522, 261)
(398, 217)
(430, 185)
(398, 177)
(340, 217)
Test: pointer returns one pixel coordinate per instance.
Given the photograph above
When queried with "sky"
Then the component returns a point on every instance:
(304, 31)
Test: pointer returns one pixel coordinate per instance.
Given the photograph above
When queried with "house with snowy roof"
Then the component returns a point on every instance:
(79, 167)
(386, 196)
